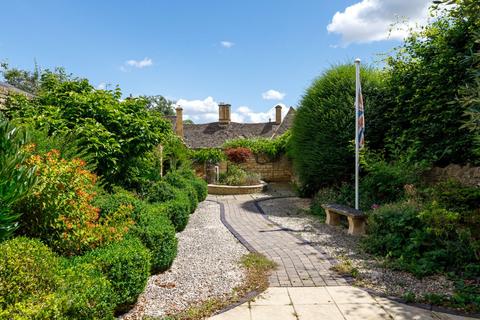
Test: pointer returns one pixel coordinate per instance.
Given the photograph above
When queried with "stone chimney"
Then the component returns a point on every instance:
(179, 122)
(278, 114)
(224, 113)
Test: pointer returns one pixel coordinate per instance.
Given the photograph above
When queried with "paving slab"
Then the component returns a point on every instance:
(273, 312)
(318, 312)
(309, 295)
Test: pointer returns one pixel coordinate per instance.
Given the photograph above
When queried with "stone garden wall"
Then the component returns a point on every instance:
(468, 175)
(277, 170)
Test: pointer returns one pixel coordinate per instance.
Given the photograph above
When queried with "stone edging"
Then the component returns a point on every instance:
(220, 189)
(252, 294)
(350, 280)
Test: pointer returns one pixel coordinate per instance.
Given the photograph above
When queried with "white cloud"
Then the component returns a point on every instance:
(273, 95)
(227, 44)
(102, 86)
(206, 110)
(139, 64)
(373, 20)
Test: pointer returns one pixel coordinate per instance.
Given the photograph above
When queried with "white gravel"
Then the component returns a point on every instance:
(291, 213)
(206, 267)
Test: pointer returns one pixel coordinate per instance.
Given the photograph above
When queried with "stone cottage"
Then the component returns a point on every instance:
(215, 134)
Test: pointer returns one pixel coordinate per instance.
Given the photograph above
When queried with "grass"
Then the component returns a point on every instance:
(345, 267)
(257, 269)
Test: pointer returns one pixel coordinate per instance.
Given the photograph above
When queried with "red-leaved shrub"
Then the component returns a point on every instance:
(238, 155)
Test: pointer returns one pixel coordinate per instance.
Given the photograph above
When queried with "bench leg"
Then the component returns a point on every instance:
(332, 219)
(356, 226)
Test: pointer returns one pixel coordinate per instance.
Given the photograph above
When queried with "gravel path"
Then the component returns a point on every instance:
(206, 267)
(291, 213)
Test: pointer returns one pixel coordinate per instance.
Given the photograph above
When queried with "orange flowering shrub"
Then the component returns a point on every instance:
(60, 212)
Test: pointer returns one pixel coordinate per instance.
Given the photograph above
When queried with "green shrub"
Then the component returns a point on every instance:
(200, 188)
(109, 203)
(36, 284)
(85, 293)
(270, 147)
(157, 233)
(192, 196)
(28, 268)
(236, 176)
(16, 179)
(455, 196)
(177, 210)
(175, 179)
(421, 240)
(385, 182)
(160, 191)
(126, 264)
(442, 56)
(324, 125)
(207, 155)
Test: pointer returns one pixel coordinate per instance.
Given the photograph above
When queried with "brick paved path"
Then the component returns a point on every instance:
(299, 264)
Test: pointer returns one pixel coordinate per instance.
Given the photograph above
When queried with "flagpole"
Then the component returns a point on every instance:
(357, 143)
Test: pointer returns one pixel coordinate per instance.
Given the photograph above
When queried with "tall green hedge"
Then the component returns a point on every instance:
(323, 129)
(430, 78)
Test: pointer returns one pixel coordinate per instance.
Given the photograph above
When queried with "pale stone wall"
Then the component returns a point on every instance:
(278, 170)
(467, 175)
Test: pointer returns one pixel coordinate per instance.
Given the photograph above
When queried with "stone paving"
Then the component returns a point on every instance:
(327, 303)
(303, 287)
(299, 264)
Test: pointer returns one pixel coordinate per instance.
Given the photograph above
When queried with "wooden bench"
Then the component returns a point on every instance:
(356, 218)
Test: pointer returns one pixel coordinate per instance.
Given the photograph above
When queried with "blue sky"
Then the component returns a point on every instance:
(250, 53)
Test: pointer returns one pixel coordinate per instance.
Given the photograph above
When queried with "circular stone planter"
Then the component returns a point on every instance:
(221, 189)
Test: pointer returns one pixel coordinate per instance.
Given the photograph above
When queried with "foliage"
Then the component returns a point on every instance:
(21, 79)
(207, 155)
(201, 188)
(142, 171)
(16, 179)
(161, 191)
(126, 264)
(324, 126)
(111, 130)
(36, 284)
(157, 234)
(238, 154)
(385, 182)
(426, 82)
(421, 240)
(110, 203)
(175, 179)
(84, 293)
(270, 147)
(177, 210)
(236, 176)
(160, 104)
(27, 268)
(59, 209)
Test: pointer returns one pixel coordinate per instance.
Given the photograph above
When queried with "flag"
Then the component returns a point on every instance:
(360, 117)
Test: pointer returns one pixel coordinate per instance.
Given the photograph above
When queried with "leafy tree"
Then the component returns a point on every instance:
(427, 80)
(323, 129)
(29, 81)
(111, 130)
(160, 104)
